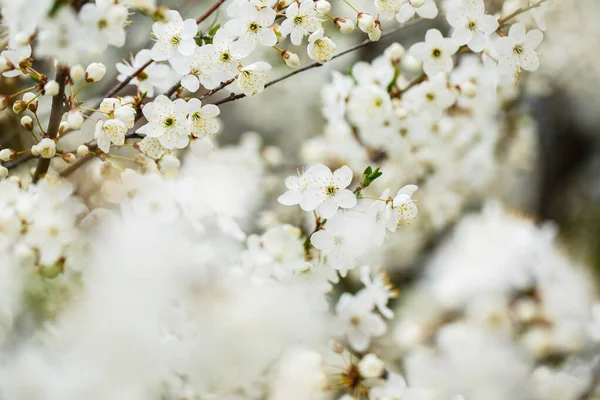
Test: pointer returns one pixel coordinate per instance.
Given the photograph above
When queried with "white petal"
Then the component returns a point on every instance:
(312, 197)
(328, 208)
(290, 198)
(343, 176)
(322, 240)
(428, 10)
(345, 198)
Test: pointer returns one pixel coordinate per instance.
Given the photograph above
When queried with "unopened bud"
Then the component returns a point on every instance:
(95, 72)
(83, 150)
(47, 148)
(31, 100)
(366, 22)
(5, 65)
(344, 25)
(19, 106)
(3, 172)
(468, 89)
(375, 34)
(7, 154)
(35, 151)
(291, 59)
(75, 119)
(63, 127)
(322, 6)
(140, 160)
(371, 366)
(77, 72)
(51, 88)
(3, 102)
(169, 165)
(27, 123)
(69, 158)
(395, 52)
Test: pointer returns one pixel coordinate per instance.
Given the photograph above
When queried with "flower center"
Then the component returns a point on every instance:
(253, 27)
(142, 76)
(175, 40)
(356, 320)
(436, 53)
(430, 96)
(331, 190)
(169, 122)
(518, 49)
(298, 20)
(102, 23)
(378, 102)
(225, 57)
(471, 25)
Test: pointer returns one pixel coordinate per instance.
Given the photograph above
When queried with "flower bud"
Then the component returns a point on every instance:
(322, 6)
(31, 100)
(344, 25)
(51, 88)
(7, 154)
(35, 151)
(47, 148)
(27, 123)
(4, 64)
(51, 271)
(291, 59)
(3, 172)
(416, 3)
(19, 106)
(75, 119)
(95, 72)
(77, 72)
(3, 102)
(375, 34)
(468, 89)
(366, 22)
(69, 158)
(371, 366)
(395, 52)
(83, 150)
(169, 165)
(63, 127)
(22, 39)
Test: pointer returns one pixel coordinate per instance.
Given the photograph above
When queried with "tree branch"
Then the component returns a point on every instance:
(56, 113)
(362, 44)
(208, 12)
(504, 20)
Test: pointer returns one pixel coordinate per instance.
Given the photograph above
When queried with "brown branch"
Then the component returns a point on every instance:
(56, 114)
(208, 12)
(362, 44)
(510, 16)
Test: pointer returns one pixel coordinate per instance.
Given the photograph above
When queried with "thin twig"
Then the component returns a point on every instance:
(208, 12)
(504, 20)
(56, 113)
(215, 90)
(362, 44)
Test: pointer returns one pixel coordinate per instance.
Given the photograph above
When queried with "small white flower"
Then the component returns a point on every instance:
(405, 205)
(320, 48)
(153, 76)
(471, 25)
(47, 148)
(357, 320)
(198, 68)
(435, 53)
(517, 50)
(14, 58)
(167, 121)
(152, 147)
(110, 131)
(203, 119)
(253, 78)
(379, 289)
(328, 192)
(423, 8)
(173, 37)
(253, 25)
(301, 20)
(387, 9)
(228, 53)
(371, 366)
(106, 19)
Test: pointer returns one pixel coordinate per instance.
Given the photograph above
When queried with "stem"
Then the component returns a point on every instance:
(208, 12)
(510, 16)
(215, 90)
(56, 113)
(365, 43)
(351, 6)
(22, 91)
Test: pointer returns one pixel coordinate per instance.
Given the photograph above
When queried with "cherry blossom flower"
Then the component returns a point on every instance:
(167, 121)
(328, 192)
(106, 19)
(301, 20)
(405, 205)
(173, 37)
(14, 58)
(435, 53)
(203, 119)
(110, 131)
(253, 78)
(380, 289)
(320, 48)
(471, 25)
(357, 321)
(423, 8)
(253, 25)
(517, 50)
(228, 53)
(153, 76)
(198, 68)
